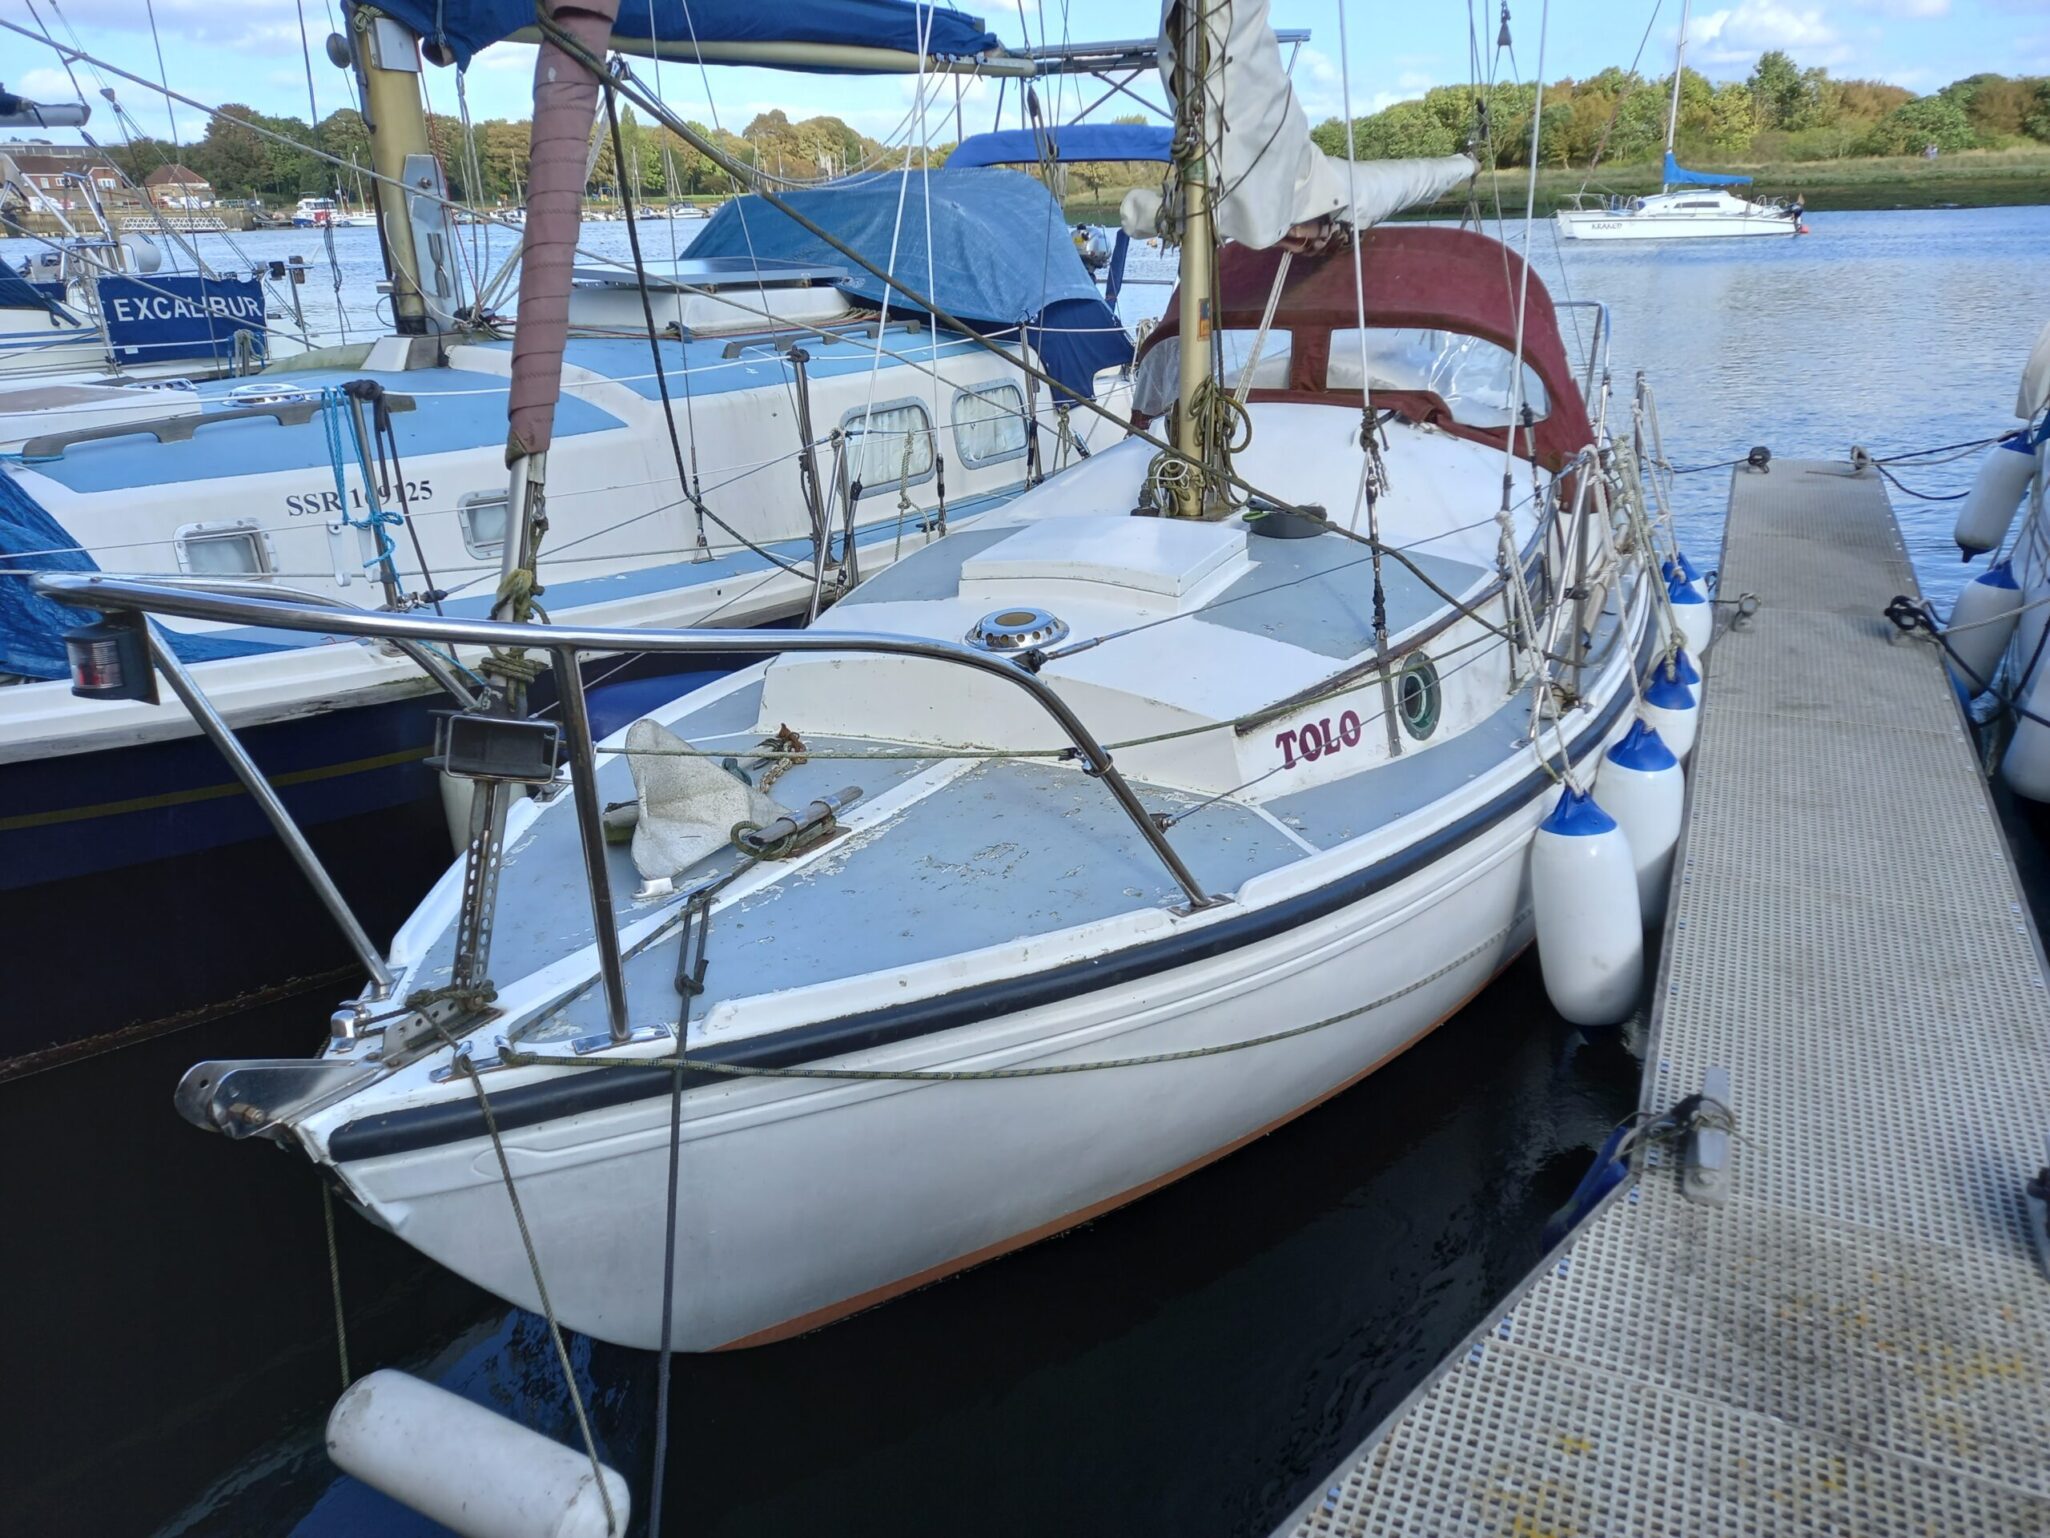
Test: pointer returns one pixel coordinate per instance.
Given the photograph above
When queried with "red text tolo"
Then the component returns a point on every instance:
(1310, 743)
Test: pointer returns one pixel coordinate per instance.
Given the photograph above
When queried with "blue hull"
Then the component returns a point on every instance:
(143, 884)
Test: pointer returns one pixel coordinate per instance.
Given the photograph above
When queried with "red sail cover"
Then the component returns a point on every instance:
(565, 99)
(1416, 275)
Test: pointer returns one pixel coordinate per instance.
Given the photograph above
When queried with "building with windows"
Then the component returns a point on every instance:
(177, 186)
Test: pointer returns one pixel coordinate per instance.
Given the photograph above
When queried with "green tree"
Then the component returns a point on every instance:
(1911, 128)
(1409, 128)
(1731, 121)
(232, 155)
(1784, 96)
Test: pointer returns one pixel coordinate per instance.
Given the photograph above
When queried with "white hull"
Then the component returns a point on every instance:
(802, 1202)
(1589, 224)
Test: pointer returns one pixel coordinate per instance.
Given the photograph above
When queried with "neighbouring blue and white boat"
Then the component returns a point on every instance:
(1068, 854)
(784, 431)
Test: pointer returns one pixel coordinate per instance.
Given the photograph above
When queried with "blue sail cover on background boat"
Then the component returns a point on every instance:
(1002, 258)
(31, 626)
(1678, 175)
(1072, 142)
(466, 27)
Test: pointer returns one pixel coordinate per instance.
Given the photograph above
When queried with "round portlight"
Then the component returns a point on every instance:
(1417, 697)
(1016, 630)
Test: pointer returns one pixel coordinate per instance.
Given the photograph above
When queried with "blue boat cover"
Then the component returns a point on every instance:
(31, 626)
(1678, 175)
(1073, 142)
(1002, 257)
(18, 293)
(466, 27)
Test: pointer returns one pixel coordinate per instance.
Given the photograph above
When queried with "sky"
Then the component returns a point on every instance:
(249, 51)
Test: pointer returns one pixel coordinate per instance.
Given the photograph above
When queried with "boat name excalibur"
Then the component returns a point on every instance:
(170, 307)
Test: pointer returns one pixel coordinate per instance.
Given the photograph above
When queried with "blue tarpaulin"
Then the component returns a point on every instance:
(1678, 175)
(18, 293)
(1002, 256)
(466, 27)
(31, 626)
(1074, 142)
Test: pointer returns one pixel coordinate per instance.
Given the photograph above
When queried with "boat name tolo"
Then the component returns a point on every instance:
(1316, 740)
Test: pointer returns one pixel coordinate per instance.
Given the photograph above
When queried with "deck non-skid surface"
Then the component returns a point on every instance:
(1859, 1342)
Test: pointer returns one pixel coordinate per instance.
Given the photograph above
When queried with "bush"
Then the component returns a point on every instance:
(1910, 128)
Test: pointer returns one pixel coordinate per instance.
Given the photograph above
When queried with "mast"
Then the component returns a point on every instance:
(412, 225)
(1192, 485)
(1673, 115)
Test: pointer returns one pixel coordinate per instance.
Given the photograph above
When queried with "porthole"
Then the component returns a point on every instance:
(1417, 697)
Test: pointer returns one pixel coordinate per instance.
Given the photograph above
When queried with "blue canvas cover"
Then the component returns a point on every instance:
(1002, 257)
(18, 293)
(1678, 175)
(31, 626)
(465, 27)
(1070, 143)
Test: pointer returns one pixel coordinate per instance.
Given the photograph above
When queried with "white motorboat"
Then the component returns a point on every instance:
(1065, 856)
(1689, 205)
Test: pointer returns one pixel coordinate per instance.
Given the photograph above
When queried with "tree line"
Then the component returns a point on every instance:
(1780, 113)
(488, 165)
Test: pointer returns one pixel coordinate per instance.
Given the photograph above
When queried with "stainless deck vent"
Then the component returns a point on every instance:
(1016, 630)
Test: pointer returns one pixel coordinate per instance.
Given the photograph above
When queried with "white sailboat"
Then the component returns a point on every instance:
(1689, 205)
(1067, 855)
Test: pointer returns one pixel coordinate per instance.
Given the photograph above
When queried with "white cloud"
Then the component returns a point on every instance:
(47, 86)
(1738, 35)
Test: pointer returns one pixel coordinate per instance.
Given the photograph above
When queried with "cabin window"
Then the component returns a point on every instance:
(1160, 371)
(891, 444)
(1418, 698)
(234, 548)
(481, 515)
(1470, 374)
(989, 424)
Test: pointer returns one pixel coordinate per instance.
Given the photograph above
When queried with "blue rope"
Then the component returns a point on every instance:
(344, 432)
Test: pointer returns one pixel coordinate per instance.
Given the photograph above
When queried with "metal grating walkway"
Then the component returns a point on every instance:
(1859, 1342)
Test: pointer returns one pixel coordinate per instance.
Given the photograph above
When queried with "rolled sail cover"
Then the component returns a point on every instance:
(1272, 176)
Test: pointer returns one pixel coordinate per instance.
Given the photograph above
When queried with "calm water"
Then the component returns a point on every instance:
(1189, 1365)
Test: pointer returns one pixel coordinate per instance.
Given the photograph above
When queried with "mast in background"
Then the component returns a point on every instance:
(1673, 115)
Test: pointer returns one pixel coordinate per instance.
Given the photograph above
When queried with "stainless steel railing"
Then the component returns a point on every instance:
(563, 643)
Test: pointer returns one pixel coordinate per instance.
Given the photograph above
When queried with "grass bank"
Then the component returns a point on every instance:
(1970, 179)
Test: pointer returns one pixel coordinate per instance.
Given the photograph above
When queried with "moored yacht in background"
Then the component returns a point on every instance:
(1699, 209)
(778, 436)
